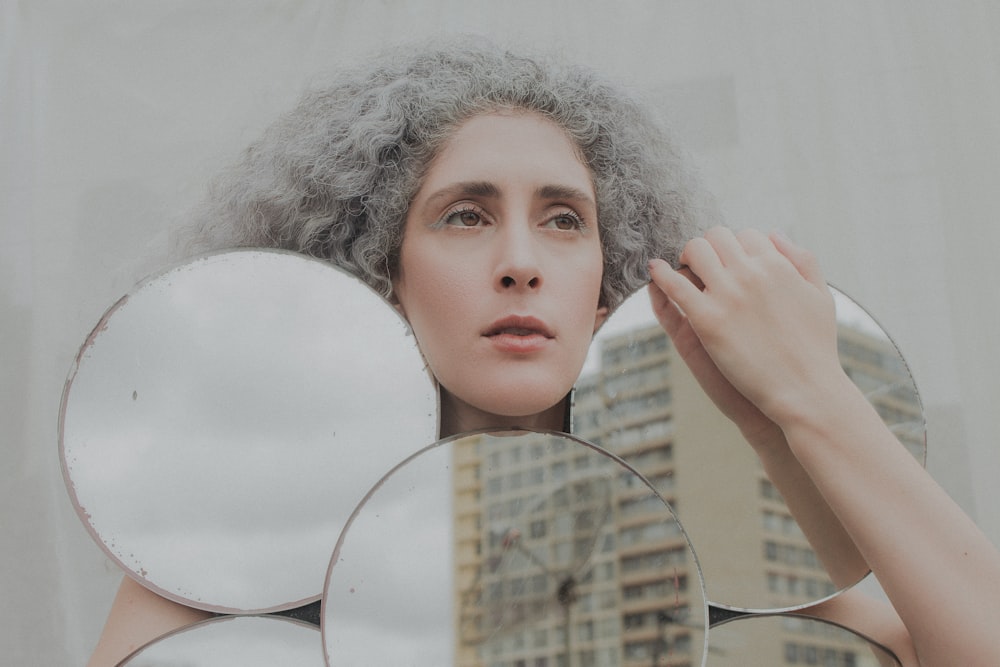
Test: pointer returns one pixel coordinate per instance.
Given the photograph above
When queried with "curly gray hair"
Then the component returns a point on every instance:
(334, 177)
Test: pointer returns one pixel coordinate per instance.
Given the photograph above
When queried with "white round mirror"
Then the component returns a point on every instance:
(637, 398)
(518, 548)
(222, 420)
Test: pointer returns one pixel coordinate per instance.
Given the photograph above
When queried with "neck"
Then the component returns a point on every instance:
(458, 416)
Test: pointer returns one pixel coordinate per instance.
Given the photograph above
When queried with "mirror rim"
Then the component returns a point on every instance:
(513, 432)
(215, 621)
(156, 279)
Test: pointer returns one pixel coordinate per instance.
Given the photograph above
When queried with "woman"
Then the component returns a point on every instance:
(506, 206)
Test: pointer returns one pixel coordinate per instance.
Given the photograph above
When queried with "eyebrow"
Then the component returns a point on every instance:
(564, 192)
(465, 189)
(489, 190)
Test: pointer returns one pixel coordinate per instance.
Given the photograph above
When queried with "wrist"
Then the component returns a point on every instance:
(821, 410)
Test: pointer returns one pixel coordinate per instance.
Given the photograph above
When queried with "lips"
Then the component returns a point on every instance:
(519, 336)
(518, 326)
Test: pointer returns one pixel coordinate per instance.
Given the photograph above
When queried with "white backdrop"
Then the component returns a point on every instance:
(867, 130)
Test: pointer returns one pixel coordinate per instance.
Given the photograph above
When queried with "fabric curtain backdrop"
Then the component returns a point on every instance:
(868, 132)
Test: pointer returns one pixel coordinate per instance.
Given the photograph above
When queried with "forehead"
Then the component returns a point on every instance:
(518, 145)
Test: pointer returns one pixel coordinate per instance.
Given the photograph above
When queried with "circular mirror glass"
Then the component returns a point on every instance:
(519, 548)
(234, 641)
(638, 399)
(765, 640)
(222, 420)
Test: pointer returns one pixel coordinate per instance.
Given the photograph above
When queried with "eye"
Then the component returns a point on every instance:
(466, 217)
(566, 222)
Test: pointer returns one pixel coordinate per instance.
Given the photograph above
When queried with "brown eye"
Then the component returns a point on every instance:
(464, 219)
(565, 222)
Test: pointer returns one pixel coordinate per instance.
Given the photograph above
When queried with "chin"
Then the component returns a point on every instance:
(524, 394)
(522, 406)
(514, 405)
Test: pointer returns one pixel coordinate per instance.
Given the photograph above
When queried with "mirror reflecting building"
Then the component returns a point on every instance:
(619, 569)
(565, 558)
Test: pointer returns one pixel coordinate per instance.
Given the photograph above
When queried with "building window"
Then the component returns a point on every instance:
(791, 653)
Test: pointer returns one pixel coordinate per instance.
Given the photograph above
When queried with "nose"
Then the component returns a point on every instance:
(518, 265)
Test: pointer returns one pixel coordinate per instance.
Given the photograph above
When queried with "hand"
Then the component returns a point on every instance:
(763, 319)
(755, 427)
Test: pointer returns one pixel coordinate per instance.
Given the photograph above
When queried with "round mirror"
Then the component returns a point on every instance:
(222, 420)
(637, 398)
(234, 641)
(525, 548)
(765, 640)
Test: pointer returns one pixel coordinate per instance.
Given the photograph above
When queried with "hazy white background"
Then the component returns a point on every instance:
(868, 131)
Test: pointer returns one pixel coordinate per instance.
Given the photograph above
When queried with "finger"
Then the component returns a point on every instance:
(681, 288)
(726, 245)
(803, 260)
(690, 275)
(701, 259)
(754, 243)
(667, 313)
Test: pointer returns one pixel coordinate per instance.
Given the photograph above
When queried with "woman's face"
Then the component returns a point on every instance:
(500, 268)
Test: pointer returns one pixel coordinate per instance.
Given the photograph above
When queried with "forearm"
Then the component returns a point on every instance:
(829, 540)
(759, 309)
(940, 572)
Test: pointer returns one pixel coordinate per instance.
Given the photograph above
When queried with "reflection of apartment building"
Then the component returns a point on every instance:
(874, 364)
(553, 535)
(548, 538)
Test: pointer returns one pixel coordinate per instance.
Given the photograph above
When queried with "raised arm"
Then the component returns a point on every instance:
(756, 322)
(833, 546)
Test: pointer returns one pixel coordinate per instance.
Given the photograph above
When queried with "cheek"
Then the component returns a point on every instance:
(436, 300)
(437, 297)
(587, 282)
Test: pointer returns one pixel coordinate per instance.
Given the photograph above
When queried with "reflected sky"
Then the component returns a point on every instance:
(230, 414)
(388, 597)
